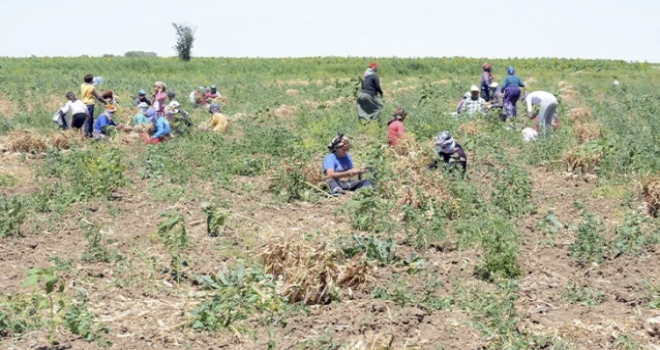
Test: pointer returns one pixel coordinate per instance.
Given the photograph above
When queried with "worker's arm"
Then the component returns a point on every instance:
(99, 97)
(336, 175)
(377, 86)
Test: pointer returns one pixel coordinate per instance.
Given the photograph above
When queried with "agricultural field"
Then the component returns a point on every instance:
(229, 241)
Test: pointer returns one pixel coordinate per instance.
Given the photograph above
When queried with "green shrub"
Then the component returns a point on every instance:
(589, 245)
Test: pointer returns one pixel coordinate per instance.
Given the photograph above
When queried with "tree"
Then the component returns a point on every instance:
(184, 41)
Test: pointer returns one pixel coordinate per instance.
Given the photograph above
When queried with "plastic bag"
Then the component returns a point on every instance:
(97, 81)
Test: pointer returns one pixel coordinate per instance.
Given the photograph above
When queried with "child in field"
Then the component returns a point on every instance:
(338, 167)
(159, 97)
(78, 111)
(88, 92)
(395, 128)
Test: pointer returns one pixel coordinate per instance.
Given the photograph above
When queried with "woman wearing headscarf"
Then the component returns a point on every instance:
(159, 97)
(511, 87)
(338, 167)
(369, 106)
(395, 128)
(450, 152)
(486, 80)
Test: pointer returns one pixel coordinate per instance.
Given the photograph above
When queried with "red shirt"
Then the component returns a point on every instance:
(395, 132)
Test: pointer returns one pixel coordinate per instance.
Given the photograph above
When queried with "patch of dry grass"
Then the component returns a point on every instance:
(26, 142)
(312, 275)
(580, 114)
(585, 132)
(651, 192)
(582, 160)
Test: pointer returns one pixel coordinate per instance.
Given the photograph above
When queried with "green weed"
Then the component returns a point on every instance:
(589, 245)
(172, 231)
(12, 215)
(576, 294)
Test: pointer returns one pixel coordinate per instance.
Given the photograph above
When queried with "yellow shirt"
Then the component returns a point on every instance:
(87, 92)
(219, 122)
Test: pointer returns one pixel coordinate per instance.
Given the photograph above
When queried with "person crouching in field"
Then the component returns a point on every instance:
(450, 152)
(104, 122)
(141, 117)
(162, 131)
(368, 105)
(79, 112)
(338, 167)
(141, 97)
(395, 128)
(219, 122)
(88, 92)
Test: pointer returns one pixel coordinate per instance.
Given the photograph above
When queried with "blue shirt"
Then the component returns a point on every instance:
(102, 122)
(162, 127)
(512, 80)
(337, 164)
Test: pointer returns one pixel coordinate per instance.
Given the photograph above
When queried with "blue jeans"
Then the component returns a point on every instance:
(88, 128)
(350, 185)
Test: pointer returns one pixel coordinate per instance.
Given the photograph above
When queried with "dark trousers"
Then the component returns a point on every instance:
(89, 122)
(350, 185)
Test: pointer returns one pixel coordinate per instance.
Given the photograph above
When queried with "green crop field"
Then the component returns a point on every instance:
(232, 241)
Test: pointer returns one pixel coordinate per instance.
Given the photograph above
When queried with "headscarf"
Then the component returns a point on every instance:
(161, 85)
(368, 72)
(151, 114)
(214, 108)
(144, 107)
(373, 65)
(399, 114)
(338, 141)
(444, 143)
(173, 107)
(511, 70)
(487, 67)
(171, 94)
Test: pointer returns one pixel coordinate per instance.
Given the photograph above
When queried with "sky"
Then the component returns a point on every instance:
(608, 29)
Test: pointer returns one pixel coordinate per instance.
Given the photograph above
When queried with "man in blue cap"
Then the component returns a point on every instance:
(141, 97)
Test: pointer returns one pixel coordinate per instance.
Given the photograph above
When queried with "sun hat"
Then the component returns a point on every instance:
(110, 108)
(474, 88)
(143, 105)
(494, 85)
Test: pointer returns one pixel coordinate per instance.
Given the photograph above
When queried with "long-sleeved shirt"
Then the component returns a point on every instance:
(486, 80)
(162, 128)
(140, 118)
(371, 85)
(75, 107)
(102, 121)
(538, 98)
(512, 80)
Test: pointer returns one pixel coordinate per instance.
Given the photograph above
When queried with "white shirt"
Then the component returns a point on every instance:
(75, 107)
(538, 98)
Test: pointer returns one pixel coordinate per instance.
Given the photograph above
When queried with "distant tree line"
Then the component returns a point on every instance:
(140, 54)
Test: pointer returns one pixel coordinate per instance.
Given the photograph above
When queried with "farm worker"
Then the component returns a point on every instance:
(78, 111)
(450, 152)
(219, 122)
(103, 122)
(141, 116)
(159, 97)
(179, 119)
(109, 97)
(368, 105)
(512, 89)
(395, 129)
(338, 167)
(547, 103)
(459, 108)
(171, 95)
(141, 97)
(532, 134)
(213, 93)
(473, 104)
(88, 92)
(496, 99)
(486, 80)
(162, 131)
(198, 96)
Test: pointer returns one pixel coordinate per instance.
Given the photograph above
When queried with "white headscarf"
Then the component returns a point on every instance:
(444, 143)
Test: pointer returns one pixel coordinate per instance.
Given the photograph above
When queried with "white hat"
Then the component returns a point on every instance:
(474, 88)
(494, 85)
(143, 105)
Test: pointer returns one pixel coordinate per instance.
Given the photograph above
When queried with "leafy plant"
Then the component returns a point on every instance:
(214, 219)
(589, 246)
(382, 251)
(12, 215)
(512, 190)
(172, 232)
(96, 251)
(402, 294)
(51, 285)
(83, 322)
(237, 295)
(576, 294)
(630, 239)
(368, 212)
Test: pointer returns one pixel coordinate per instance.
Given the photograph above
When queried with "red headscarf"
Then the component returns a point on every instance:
(372, 65)
(487, 67)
